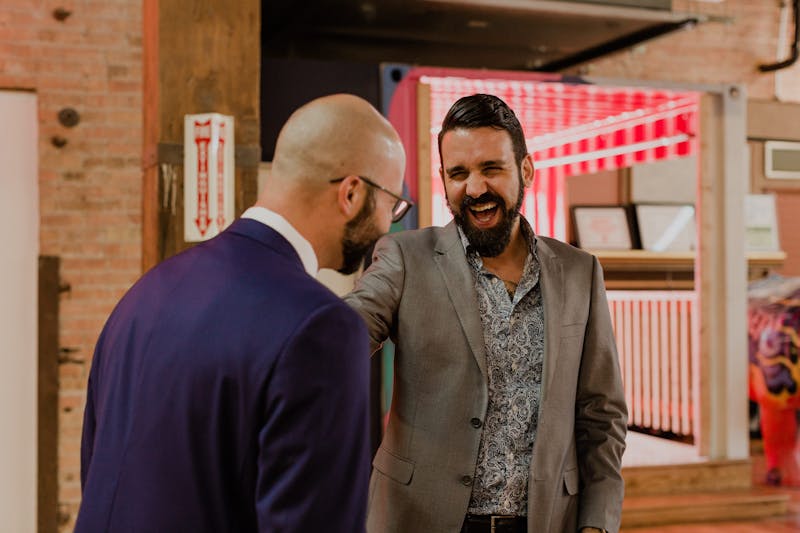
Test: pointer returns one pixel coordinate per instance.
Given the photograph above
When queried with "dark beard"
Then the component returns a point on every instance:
(489, 242)
(360, 235)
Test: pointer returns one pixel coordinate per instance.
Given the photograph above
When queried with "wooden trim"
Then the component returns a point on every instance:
(424, 197)
(769, 119)
(47, 396)
(643, 270)
(649, 284)
(643, 260)
(761, 263)
(635, 261)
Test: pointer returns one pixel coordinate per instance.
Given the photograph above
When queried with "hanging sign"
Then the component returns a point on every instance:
(208, 186)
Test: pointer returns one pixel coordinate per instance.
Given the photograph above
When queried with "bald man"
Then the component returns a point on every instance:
(228, 390)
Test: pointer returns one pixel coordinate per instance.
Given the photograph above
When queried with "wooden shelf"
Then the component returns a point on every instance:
(643, 270)
(765, 261)
(636, 260)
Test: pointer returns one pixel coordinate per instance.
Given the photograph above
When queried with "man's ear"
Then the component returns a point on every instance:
(527, 170)
(350, 196)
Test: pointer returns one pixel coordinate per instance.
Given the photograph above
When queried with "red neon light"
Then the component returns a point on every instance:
(574, 129)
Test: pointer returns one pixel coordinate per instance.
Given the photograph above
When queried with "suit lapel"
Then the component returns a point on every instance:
(452, 263)
(553, 297)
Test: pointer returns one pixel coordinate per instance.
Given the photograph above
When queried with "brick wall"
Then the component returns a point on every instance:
(712, 52)
(722, 52)
(90, 190)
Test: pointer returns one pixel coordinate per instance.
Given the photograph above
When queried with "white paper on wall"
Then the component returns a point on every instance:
(761, 223)
(208, 175)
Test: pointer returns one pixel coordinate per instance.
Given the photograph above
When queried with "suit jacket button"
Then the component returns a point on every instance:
(466, 480)
(476, 423)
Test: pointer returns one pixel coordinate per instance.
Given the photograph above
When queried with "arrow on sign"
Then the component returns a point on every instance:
(221, 179)
(202, 137)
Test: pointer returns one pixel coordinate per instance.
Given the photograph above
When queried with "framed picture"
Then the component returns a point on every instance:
(782, 160)
(603, 227)
(666, 227)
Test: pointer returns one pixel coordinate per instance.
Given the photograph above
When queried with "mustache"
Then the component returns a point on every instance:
(469, 201)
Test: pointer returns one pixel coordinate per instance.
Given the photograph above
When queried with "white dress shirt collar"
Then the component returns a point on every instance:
(282, 226)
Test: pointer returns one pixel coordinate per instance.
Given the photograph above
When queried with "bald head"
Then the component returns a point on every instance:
(331, 137)
(341, 138)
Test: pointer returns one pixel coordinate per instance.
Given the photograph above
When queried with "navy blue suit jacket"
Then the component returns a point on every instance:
(228, 393)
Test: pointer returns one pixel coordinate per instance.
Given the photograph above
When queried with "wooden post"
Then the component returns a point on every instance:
(722, 277)
(47, 396)
(199, 56)
(424, 198)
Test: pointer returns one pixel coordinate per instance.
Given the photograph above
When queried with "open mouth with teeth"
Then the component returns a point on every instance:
(484, 214)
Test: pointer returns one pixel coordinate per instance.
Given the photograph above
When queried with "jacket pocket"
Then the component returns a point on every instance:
(571, 481)
(393, 466)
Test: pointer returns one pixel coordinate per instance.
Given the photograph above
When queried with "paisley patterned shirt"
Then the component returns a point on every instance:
(513, 332)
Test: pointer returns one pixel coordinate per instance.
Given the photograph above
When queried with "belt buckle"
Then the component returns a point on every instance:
(498, 517)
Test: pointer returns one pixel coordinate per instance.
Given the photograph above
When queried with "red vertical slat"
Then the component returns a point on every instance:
(663, 337)
(656, 368)
(675, 368)
(636, 354)
(633, 404)
(686, 385)
(646, 356)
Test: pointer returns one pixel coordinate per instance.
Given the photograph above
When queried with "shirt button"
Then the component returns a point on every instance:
(466, 480)
(476, 423)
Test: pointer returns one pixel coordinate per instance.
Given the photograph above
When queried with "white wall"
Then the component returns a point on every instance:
(670, 181)
(19, 238)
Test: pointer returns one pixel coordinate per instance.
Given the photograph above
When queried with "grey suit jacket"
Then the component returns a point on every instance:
(419, 291)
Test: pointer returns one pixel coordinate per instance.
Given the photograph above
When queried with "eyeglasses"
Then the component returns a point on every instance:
(401, 206)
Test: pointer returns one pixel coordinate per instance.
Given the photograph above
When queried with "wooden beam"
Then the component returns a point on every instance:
(47, 396)
(709, 270)
(200, 56)
(424, 197)
(722, 277)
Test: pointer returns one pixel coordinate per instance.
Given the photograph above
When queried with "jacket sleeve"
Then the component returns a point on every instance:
(88, 431)
(313, 465)
(90, 409)
(377, 294)
(600, 417)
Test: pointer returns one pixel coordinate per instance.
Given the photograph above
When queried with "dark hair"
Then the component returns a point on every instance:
(485, 111)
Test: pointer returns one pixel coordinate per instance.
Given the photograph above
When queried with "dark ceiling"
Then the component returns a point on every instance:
(498, 34)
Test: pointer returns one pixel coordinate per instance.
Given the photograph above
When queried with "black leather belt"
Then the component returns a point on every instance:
(475, 523)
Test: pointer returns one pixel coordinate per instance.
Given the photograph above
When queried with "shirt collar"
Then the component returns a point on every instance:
(287, 231)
